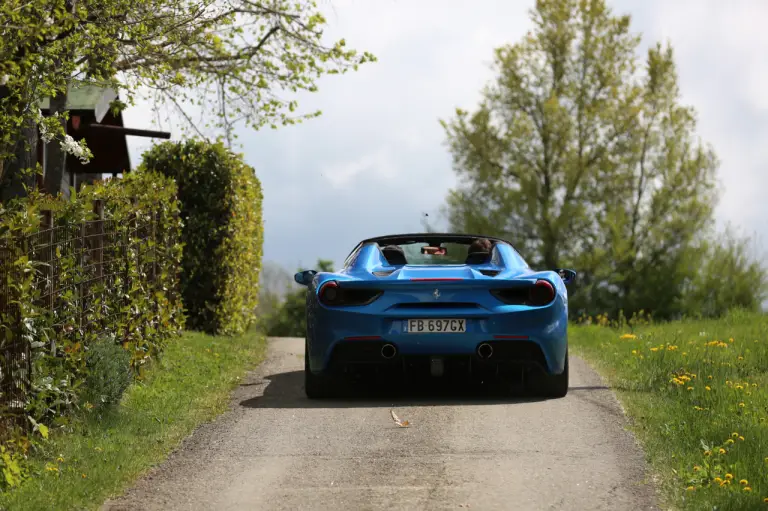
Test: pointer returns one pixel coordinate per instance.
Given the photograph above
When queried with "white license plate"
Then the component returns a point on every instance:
(436, 326)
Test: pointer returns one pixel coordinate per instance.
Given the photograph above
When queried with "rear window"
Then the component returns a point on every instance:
(455, 253)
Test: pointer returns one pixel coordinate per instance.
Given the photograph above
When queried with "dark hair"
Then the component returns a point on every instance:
(480, 245)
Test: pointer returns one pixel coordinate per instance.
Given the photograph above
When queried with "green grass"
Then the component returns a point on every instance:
(696, 393)
(107, 450)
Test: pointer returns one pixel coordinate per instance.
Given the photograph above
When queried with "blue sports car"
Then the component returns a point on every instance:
(440, 306)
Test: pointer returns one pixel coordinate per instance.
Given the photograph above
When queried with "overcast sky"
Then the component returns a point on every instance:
(375, 160)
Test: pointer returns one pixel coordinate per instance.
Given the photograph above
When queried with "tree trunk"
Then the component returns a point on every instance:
(56, 178)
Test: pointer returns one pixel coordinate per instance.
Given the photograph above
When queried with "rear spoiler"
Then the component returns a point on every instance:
(443, 283)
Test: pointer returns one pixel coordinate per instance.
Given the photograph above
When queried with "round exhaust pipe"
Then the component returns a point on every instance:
(485, 351)
(388, 351)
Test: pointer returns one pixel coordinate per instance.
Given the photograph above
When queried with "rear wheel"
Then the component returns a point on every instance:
(316, 386)
(552, 385)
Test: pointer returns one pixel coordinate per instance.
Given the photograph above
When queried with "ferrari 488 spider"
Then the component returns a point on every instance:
(425, 304)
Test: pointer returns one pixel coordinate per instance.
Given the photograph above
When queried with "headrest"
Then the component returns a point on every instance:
(478, 257)
(394, 255)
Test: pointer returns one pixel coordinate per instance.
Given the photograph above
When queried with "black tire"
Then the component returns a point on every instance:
(316, 386)
(552, 385)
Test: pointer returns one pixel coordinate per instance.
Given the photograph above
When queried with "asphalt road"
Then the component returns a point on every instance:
(277, 450)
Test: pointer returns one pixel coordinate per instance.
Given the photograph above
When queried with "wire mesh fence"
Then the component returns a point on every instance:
(74, 267)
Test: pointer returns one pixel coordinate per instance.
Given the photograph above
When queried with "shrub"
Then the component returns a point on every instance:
(221, 209)
(70, 304)
(108, 372)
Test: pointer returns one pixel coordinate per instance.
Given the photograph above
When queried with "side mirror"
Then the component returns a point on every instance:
(304, 277)
(568, 276)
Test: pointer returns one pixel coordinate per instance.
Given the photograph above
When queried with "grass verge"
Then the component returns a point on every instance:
(106, 450)
(697, 395)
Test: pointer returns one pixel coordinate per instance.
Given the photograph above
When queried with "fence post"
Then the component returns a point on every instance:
(98, 210)
(46, 225)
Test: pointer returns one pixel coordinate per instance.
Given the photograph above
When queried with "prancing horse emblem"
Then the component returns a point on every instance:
(436, 294)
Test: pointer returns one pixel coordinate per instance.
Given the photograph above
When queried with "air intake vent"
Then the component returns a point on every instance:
(490, 273)
(385, 273)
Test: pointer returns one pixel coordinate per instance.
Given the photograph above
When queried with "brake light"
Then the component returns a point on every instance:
(541, 293)
(331, 294)
(444, 279)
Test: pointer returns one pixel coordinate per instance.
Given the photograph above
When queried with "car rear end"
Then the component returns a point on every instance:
(452, 322)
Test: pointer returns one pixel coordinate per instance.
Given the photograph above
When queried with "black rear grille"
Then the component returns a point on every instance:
(346, 352)
(436, 305)
(525, 352)
(490, 273)
(384, 273)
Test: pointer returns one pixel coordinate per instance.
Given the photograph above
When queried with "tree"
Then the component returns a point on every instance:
(581, 157)
(239, 54)
(728, 274)
(289, 318)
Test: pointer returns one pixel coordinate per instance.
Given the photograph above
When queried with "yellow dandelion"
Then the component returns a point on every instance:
(654, 349)
(747, 488)
(734, 435)
(709, 377)
(729, 441)
(634, 352)
(721, 451)
(741, 358)
(739, 387)
(718, 480)
(60, 459)
(766, 498)
(690, 488)
(696, 468)
(742, 405)
(708, 387)
(741, 438)
(743, 482)
(730, 340)
(690, 388)
(628, 336)
(707, 453)
(728, 476)
(84, 476)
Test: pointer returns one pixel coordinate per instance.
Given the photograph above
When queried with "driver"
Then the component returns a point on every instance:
(480, 245)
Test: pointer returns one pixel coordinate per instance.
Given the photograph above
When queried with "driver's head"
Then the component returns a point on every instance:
(480, 245)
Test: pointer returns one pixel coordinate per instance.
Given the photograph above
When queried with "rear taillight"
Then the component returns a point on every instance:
(333, 295)
(541, 293)
(329, 293)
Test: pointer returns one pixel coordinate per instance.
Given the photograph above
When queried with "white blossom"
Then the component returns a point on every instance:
(45, 135)
(4, 79)
(68, 145)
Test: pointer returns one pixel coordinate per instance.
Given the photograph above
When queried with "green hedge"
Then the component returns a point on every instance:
(221, 209)
(73, 303)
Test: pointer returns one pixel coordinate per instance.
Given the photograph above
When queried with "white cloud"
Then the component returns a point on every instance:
(377, 164)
